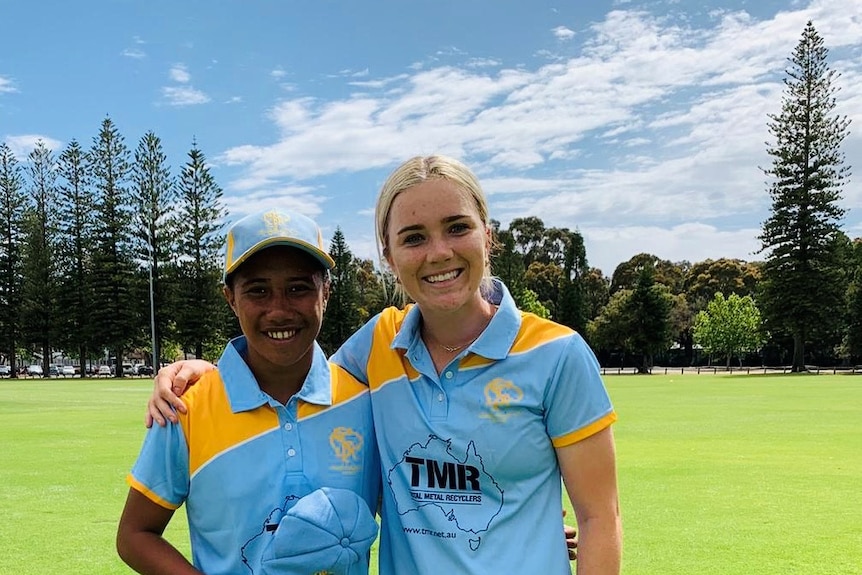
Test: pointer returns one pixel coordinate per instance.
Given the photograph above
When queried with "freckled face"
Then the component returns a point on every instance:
(438, 245)
(279, 296)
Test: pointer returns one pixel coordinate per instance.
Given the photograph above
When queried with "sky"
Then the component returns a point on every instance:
(641, 124)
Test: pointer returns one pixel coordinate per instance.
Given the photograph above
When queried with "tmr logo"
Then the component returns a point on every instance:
(433, 474)
(346, 445)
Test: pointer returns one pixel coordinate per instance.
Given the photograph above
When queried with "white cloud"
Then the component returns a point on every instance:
(278, 73)
(563, 33)
(179, 73)
(6, 86)
(658, 126)
(607, 247)
(184, 96)
(134, 53)
(23, 144)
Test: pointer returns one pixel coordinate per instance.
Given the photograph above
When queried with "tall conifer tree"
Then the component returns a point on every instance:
(40, 254)
(198, 255)
(75, 208)
(342, 315)
(153, 197)
(13, 205)
(803, 283)
(113, 315)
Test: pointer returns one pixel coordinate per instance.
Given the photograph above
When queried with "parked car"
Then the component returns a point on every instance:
(35, 370)
(53, 371)
(67, 370)
(143, 370)
(5, 371)
(128, 369)
(104, 371)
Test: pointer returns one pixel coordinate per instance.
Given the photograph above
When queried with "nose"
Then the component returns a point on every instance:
(439, 249)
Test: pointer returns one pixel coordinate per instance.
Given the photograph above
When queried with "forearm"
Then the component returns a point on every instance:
(150, 554)
(599, 545)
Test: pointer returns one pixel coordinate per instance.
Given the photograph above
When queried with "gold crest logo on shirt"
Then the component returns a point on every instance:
(346, 445)
(500, 394)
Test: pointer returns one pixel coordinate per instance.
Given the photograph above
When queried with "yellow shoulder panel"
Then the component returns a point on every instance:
(535, 331)
(211, 427)
(384, 363)
(344, 388)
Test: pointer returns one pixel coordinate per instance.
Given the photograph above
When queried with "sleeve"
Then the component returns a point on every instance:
(161, 472)
(577, 404)
(354, 353)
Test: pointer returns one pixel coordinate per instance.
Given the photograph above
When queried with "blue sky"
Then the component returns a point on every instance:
(639, 123)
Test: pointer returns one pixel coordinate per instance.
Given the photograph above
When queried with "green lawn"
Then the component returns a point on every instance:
(718, 474)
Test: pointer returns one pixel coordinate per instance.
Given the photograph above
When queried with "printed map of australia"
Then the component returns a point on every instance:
(460, 489)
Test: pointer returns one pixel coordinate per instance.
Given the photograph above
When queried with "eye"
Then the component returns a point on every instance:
(412, 239)
(255, 290)
(459, 228)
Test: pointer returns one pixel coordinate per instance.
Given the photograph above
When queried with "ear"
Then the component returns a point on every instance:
(326, 293)
(230, 298)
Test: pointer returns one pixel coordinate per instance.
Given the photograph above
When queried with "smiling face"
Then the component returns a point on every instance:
(279, 295)
(437, 245)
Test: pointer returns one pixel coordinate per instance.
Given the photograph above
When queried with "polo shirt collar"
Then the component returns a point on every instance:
(493, 343)
(243, 391)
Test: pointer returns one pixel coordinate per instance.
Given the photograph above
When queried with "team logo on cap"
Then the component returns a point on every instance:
(346, 445)
(275, 224)
(500, 394)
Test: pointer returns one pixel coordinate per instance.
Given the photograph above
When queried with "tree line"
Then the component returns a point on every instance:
(96, 242)
(103, 250)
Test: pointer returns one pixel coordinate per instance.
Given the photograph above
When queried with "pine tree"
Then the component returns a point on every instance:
(113, 315)
(648, 315)
(75, 223)
(572, 307)
(40, 310)
(153, 197)
(803, 283)
(198, 256)
(342, 316)
(13, 204)
(508, 264)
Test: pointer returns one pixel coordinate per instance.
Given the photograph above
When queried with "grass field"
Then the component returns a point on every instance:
(726, 474)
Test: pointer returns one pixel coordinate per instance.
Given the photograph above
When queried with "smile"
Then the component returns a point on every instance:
(443, 277)
(281, 335)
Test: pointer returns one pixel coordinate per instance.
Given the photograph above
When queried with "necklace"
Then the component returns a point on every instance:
(452, 349)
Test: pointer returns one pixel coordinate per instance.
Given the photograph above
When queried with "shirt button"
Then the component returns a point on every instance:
(448, 375)
(440, 397)
(288, 426)
(291, 452)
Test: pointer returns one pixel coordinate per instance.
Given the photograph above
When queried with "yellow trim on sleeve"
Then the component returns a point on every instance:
(139, 487)
(585, 432)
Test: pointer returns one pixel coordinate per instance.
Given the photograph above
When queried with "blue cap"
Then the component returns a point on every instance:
(273, 227)
(327, 531)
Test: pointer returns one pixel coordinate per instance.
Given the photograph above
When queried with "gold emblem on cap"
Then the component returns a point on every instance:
(275, 224)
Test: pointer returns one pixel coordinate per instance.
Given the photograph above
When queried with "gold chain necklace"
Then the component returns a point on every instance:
(451, 349)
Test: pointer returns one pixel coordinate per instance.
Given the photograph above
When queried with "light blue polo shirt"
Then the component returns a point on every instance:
(471, 480)
(239, 459)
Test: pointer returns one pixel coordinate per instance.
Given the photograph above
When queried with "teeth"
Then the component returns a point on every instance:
(443, 277)
(281, 334)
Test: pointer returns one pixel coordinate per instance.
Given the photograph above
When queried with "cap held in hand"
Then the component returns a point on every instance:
(327, 531)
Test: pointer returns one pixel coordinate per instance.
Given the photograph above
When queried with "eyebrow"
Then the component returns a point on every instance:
(446, 220)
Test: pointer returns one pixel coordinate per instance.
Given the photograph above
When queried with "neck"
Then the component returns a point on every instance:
(456, 330)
